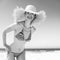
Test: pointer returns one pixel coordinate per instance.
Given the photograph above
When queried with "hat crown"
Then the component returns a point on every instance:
(30, 8)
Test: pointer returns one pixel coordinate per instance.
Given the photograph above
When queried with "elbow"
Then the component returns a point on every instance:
(3, 35)
(4, 32)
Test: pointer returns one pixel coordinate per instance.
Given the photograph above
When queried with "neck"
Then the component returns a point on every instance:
(27, 23)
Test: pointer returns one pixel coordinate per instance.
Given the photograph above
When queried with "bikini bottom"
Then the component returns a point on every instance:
(16, 54)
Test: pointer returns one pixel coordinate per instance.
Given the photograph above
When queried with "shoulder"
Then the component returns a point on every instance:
(11, 26)
(18, 26)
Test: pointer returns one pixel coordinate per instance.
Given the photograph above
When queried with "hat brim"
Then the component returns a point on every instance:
(40, 17)
(30, 11)
(19, 15)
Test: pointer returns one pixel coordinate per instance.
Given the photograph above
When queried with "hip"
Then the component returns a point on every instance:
(16, 54)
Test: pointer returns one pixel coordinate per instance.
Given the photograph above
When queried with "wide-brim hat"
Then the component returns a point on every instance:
(30, 9)
(20, 16)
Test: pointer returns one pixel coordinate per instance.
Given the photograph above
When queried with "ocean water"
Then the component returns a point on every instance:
(36, 55)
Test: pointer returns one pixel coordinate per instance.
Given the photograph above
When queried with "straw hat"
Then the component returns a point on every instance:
(19, 13)
(31, 9)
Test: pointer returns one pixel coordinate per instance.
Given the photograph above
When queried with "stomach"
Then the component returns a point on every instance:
(18, 46)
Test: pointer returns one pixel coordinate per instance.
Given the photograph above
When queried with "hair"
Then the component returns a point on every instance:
(33, 18)
(18, 13)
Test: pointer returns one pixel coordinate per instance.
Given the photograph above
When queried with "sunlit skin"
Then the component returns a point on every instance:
(27, 25)
(23, 30)
(29, 18)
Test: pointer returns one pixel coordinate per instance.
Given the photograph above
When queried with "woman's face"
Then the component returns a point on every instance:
(29, 16)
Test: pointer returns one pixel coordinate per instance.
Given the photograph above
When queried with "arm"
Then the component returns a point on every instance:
(4, 41)
(33, 29)
(4, 35)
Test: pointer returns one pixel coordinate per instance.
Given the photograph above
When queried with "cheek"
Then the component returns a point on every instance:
(30, 17)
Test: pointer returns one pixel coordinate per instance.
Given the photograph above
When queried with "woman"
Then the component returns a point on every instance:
(23, 29)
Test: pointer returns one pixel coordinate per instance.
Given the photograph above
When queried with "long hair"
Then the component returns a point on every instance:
(39, 17)
(18, 14)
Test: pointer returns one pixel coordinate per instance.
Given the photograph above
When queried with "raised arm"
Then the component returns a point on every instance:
(33, 29)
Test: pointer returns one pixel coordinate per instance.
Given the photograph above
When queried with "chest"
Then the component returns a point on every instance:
(21, 28)
(18, 29)
(22, 33)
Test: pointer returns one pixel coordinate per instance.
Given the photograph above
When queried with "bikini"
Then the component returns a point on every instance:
(20, 36)
(16, 54)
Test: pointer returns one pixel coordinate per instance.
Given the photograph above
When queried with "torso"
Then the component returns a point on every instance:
(19, 43)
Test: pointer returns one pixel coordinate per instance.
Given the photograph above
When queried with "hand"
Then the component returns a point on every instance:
(8, 47)
(33, 27)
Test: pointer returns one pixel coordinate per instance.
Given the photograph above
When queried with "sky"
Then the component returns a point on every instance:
(48, 33)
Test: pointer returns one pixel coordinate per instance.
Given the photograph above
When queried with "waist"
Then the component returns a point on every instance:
(17, 49)
(16, 54)
(18, 46)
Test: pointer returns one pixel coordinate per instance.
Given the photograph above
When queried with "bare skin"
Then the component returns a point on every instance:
(27, 24)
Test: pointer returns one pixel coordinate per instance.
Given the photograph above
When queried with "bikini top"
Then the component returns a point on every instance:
(20, 35)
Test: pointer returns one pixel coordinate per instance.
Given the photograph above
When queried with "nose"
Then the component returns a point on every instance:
(29, 17)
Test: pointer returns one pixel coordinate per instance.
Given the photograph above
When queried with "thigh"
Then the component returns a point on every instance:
(10, 56)
(21, 56)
